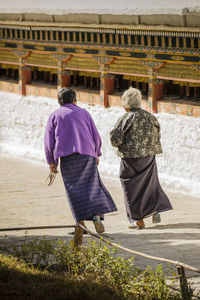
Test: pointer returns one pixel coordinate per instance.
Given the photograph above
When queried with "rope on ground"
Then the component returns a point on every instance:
(176, 263)
(36, 227)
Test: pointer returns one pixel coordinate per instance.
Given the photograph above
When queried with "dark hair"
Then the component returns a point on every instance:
(66, 95)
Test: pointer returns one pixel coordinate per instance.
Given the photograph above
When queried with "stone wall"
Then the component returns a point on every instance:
(178, 108)
(9, 86)
(93, 98)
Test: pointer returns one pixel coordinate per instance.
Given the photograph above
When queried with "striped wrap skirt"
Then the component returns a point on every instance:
(85, 191)
(142, 191)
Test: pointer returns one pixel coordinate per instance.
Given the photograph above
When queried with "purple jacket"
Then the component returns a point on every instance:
(71, 129)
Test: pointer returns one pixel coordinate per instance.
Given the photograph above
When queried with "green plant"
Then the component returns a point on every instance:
(98, 263)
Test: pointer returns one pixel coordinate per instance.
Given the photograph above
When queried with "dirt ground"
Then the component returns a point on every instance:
(26, 200)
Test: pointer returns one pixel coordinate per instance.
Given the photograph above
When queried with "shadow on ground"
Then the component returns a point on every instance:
(176, 226)
(178, 246)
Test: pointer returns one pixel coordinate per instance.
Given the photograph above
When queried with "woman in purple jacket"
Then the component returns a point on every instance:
(72, 136)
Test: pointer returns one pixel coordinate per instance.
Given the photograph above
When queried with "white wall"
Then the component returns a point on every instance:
(23, 120)
(113, 7)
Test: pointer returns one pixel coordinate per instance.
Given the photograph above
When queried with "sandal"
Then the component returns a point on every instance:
(156, 218)
(137, 225)
(98, 224)
(140, 224)
(132, 226)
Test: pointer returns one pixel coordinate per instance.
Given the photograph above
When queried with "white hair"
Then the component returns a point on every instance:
(132, 98)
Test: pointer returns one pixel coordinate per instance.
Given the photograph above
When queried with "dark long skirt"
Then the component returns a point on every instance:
(142, 191)
(85, 191)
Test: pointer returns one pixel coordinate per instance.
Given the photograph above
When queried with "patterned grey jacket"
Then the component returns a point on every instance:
(136, 134)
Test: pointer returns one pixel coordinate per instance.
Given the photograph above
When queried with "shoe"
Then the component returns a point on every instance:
(132, 226)
(137, 225)
(98, 224)
(156, 218)
(140, 224)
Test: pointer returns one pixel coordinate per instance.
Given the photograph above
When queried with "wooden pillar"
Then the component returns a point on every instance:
(65, 79)
(23, 70)
(196, 91)
(181, 91)
(106, 87)
(187, 91)
(98, 83)
(186, 292)
(75, 79)
(151, 99)
(158, 86)
(155, 91)
(7, 73)
(91, 82)
(24, 78)
(51, 77)
(59, 73)
(102, 88)
(45, 75)
(35, 75)
(117, 83)
(12, 73)
(85, 81)
(137, 85)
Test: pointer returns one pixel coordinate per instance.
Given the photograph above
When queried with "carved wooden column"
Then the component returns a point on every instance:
(106, 79)
(25, 78)
(158, 85)
(155, 86)
(64, 78)
(196, 91)
(152, 105)
(24, 71)
(155, 92)
(102, 88)
(22, 85)
(108, 87)
(60, 72)
(187, 89)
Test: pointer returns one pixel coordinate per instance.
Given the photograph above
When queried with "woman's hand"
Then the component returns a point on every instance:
(97, 161)
(53, 168)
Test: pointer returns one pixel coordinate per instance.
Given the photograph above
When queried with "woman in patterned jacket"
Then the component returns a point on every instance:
(137, 137)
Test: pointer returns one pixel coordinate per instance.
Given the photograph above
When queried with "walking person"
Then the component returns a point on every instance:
(72, 137)
(137, 137)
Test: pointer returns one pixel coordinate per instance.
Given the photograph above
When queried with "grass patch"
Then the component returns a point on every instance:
(20, 281)
(44, 269)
